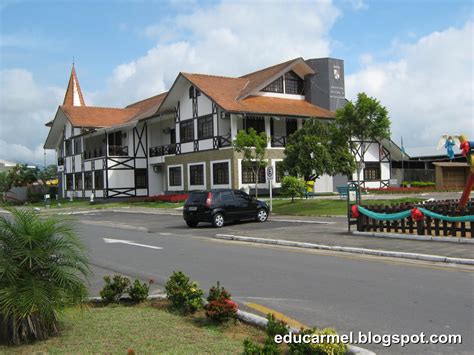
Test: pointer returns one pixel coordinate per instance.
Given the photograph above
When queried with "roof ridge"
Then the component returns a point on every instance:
(148, 98)
(272, 66)
(101, 107)
(214, 76)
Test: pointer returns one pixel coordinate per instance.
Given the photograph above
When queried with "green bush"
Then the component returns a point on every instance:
(114, 288)
(274, 327)
(292, 186)
(418, 184)
(325, 348)
(42, 271)
(220, 307)
(185, 296)
(138, 291)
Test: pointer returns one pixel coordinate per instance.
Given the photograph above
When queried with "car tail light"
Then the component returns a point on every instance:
(209, 199)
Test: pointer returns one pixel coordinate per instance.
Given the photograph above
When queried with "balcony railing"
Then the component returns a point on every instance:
(60, 161)
(279, 141)
(161, 150)
(94, 153)
(118, 150)
(225, 141)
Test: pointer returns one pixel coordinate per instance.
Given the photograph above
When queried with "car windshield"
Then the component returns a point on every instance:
(197, 197)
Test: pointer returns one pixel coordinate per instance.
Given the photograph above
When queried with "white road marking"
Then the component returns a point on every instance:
(129, 242)
(299, 221)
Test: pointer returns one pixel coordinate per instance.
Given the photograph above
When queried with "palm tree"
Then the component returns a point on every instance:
(43, 267)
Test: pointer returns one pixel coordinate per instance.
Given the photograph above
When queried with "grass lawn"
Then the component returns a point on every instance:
(314, 207)
(145, 329)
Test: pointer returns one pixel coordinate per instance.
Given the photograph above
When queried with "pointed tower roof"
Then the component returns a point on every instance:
(73, 95)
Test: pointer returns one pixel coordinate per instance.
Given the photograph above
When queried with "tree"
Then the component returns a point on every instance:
(318, 149)
(19, 175)
(362, 121)
(48, 173)
(253, 147)
(42, 266)
(292, 186)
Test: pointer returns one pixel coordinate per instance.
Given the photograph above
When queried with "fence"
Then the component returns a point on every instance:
(437, 218)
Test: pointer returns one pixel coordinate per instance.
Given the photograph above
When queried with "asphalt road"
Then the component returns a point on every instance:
(344, 291)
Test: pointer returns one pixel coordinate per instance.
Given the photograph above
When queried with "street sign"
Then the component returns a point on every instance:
(270, 172)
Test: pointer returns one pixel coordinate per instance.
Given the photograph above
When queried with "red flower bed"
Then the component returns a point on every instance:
(408, 190)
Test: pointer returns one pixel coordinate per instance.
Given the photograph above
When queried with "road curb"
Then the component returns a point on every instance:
(413, 237)
(246, 317)
(395, 254)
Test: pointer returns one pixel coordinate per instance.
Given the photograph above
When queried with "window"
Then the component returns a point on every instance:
(115, 139)
(88, 180)
(68, 147)
(140, 178)
(69, 181)
(196, 175)
(276, 86)
(175, 176)
(186, 131)
(291, 126)
(255, 122)
(248, 175)
(99, 179)
(293, 83)
(205, 127)
(194, 92)
(78, 181)
(220, 173)
(77, 146)
(372, 171)
(225, 197)
(279, 173)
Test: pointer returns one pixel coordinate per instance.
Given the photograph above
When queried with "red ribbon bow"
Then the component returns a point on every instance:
(355, 211)
(416, 214)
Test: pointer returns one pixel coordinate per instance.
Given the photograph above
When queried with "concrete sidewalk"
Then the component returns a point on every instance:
(335, 234)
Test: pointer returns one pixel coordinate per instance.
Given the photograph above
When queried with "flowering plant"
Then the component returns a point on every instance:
(220, 307)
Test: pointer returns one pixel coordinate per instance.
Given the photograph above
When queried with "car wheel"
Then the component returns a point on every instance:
(218, 220)
(192, 224)
(262, 215)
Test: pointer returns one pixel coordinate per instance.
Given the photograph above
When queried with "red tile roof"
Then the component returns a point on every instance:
(72, 86)
(98, 117)
(225, 92)
(147, 107)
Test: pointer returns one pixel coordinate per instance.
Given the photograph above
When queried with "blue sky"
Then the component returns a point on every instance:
(128, 50)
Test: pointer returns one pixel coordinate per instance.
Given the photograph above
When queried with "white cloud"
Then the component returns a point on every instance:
(428, 90)
(228, 38)
(25, 106)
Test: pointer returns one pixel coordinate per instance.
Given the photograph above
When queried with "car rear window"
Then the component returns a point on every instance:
(197, 197)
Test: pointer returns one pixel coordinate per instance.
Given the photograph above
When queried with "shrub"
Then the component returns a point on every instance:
(185, 296)
(292, 186)
(114, 288)
(324, 348)
(138, 291)
(220, 307)
(42, 270)
(274, 327)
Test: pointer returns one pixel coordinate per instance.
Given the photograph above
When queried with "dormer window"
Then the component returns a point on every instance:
(290, 83)
(276, 86)
(293, 84)
(194, 92)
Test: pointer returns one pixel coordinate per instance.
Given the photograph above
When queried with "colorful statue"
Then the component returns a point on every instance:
(449, 141)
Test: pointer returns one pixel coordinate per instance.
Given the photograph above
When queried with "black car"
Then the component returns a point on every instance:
(222, 205)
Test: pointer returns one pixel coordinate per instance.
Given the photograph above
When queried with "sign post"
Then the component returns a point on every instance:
(270, 178)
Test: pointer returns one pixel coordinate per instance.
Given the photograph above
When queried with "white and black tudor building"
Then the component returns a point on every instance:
(181, 140)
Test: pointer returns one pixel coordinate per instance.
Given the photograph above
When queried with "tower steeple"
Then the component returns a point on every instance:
(73, 95)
